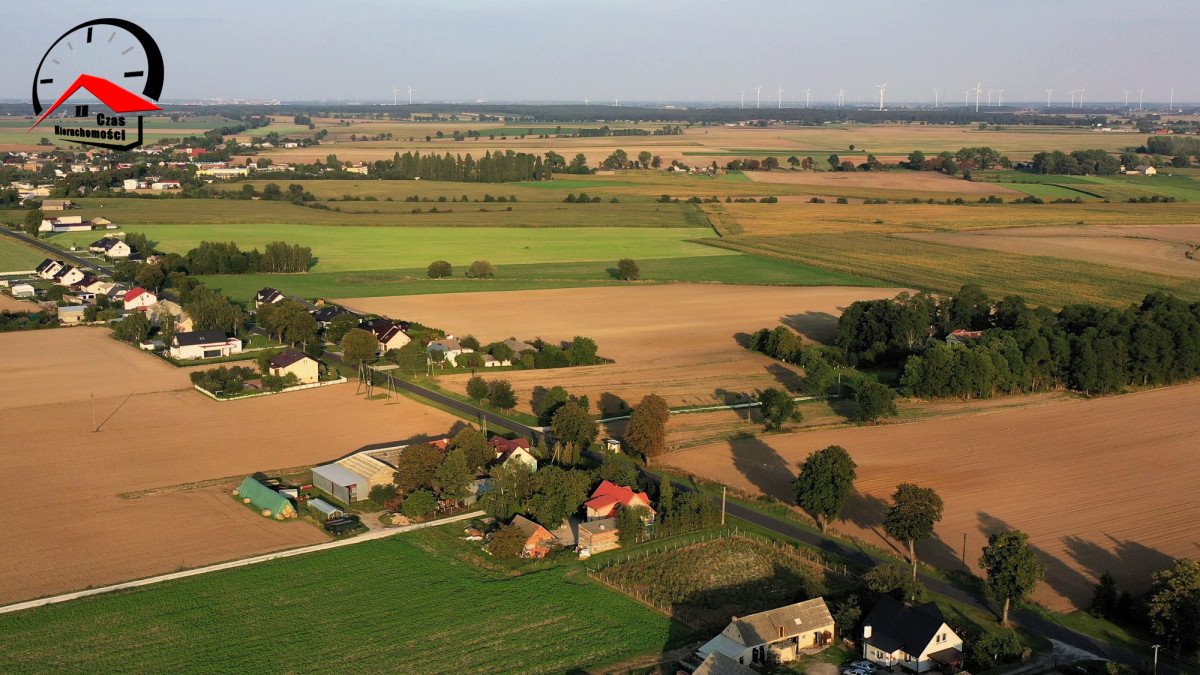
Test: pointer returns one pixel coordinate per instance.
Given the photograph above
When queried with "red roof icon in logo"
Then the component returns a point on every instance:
(118, 99)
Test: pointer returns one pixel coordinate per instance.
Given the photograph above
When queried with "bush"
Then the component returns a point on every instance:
(628, 270)
(419, 504)
(440, 269)
(508, 542)
(382, 494)
(481, 269)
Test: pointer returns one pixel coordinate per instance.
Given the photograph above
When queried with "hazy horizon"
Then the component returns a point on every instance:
(703, 52)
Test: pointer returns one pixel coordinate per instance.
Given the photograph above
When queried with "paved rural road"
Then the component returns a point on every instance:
(54, 251)
(368, 536)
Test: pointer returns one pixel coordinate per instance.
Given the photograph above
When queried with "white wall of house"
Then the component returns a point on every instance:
(210, 351)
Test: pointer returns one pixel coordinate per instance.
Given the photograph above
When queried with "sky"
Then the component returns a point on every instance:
(638, 50)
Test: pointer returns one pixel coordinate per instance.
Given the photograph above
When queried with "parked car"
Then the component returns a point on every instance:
(863, 665)
(857, 671)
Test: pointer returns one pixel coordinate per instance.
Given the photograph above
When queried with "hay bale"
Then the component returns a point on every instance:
(266, 512)
(233, 492)
(278, 516)
(246, 500)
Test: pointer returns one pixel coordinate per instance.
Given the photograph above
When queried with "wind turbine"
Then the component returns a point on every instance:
(1126, 98)
(410, 91)
(395, 92)
(1081, 98)
(1000, 98)
(743, 98)
(758, 96)
(808, 98)
(1048, 92)
(935, 101)
(989, 102)
(585, 100)
(1171, 105)
(977, 90)
(882, 88)
(616, 101)
(841, 97)
(966, 97)
(1140, 92)
(778, 97)
(1073, 92)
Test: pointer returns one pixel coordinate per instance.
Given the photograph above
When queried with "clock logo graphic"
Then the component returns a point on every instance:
(114, 60)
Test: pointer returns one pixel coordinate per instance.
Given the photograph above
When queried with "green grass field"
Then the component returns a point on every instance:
(15, 256)
(944, 268)
(340, 249)
(727, 269)
(1047, 191)
(406, 604)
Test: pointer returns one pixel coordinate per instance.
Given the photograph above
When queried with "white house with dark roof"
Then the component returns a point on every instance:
(48, 268)
(204, 344)
(915, 638)
(111, 247)
(267, 296)
(69, 275)
(774, 636)
(389, 335)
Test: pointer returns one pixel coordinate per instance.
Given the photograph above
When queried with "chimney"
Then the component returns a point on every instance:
(866, 632)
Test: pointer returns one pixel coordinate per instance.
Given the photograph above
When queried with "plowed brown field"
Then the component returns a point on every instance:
(922, 181)
(678, 341)
(1099, 485)
(74, 528)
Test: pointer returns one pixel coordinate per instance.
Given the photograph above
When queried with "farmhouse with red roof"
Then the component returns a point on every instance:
(609, 496)
(139, 298)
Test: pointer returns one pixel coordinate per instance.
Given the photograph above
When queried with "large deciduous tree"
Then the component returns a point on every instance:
(911, 517)
(416, 467)
(358, 345)
(574, 428)
(825, 482)
(1012, 568)
(777, 408)
(646, 432)
(1174, 605)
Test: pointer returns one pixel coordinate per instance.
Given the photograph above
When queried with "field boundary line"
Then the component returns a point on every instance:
(234, 564)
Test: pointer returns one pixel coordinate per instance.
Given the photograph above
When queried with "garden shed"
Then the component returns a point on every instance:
(326, 509)
(341, 483)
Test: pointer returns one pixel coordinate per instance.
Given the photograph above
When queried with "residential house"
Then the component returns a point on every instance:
(183, 322)
(204, 344)
(598, 536)
(101, 222)
(776, 635)
(129, 184)
(267, 296)
(111, 247)
(69, 275)
(389, 335)
(916, 638)
(450, 348)
(225, 172)
(1141, 170)
(515, 450)
(518, 347)
(292, 362)
(71, 314)
(57, 204)
(609, 496)
(166, 185)
(138, 298)
(325, 315)
(612, 444)
(960, 336)
(48, 268)
(537, 538)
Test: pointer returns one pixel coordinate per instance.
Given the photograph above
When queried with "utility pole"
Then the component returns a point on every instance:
(723, 522)
(92, 394)
(964, 550)
(1156, 659)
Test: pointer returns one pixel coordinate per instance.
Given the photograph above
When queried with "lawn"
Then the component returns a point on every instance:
(1048, 191)
(403, 604)
(15, 256)
(729, 269)
(339, 249)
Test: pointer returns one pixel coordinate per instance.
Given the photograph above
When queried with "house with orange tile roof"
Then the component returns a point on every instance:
(609, 496)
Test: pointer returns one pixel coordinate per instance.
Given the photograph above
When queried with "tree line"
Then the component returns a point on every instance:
(493, 167)
(1088, 348)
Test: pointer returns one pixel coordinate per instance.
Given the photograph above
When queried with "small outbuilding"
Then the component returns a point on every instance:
(324, 508)
(71, 314)
(22, 291)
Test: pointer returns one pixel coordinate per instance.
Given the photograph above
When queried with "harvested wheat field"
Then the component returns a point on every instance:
(1066, 472)
(11, 304)
(1164, 249)
(919, 181)
(157, 435)
(679, 341)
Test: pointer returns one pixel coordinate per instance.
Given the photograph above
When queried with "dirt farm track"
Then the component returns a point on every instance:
(1105, 484)
(79, 524)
